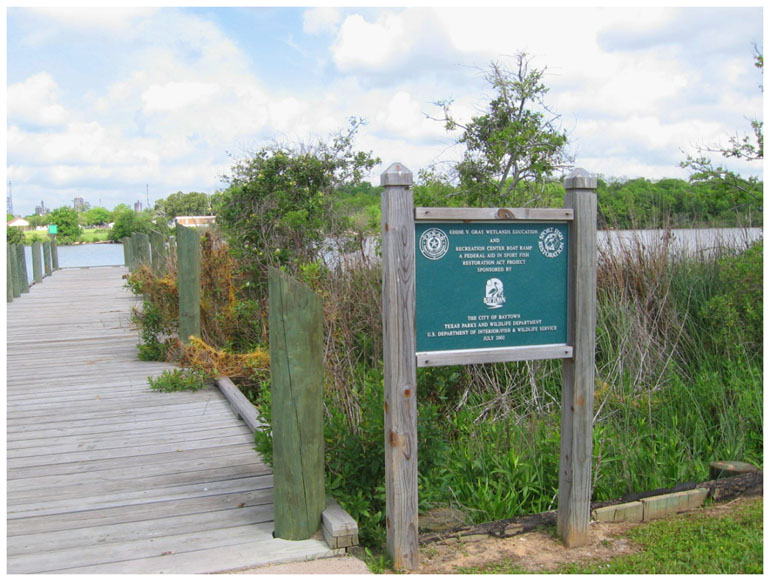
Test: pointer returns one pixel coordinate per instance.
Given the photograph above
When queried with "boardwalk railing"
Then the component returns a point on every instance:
(45, 257)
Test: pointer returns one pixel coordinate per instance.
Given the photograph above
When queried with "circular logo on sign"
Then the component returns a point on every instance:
(551, 242)
(434, 243)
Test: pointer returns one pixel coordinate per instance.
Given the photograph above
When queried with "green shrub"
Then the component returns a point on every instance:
(179, 380)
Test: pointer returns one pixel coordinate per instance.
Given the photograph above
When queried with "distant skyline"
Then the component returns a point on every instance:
(122, 104)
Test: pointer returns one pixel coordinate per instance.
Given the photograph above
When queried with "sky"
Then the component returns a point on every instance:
(118, 105)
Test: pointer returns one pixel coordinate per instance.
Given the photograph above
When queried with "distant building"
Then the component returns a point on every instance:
(18, 223)
(41, 209)
(137, 206)
(193, 221)
(80, 205)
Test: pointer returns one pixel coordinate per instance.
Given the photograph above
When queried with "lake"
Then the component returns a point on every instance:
(689, 240)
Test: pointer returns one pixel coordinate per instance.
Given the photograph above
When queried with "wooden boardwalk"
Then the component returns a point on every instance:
(107, 476)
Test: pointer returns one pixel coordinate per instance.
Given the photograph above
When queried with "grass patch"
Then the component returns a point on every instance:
(179, 380)
(694, 543)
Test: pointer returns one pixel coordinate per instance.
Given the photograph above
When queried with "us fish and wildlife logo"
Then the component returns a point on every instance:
(434, 243)
(551, 242)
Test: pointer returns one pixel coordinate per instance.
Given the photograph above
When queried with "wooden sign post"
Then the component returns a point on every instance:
(486, 285)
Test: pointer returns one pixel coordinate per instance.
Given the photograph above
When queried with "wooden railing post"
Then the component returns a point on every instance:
(54, 255)
(189, 282)
(21, 260)
(126, 246)
(296, 372)
(158, 251)
(14, 271)
(47, 258)
(400, 366)
(142, 249)
(37, 262)
(574, 511)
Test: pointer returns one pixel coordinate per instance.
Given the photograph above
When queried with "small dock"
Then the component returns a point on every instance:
(106, 476)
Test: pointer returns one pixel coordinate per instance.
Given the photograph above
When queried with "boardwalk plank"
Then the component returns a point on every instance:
(106, 476)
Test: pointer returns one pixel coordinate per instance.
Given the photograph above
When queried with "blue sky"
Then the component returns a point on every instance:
(112, 104)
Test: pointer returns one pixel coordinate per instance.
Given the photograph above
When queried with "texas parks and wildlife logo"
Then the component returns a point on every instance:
(434, 243)
(551, 242)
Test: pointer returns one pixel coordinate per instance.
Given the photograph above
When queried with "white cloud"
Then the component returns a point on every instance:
(35, 102)
(177, 95)
(320, 20)
(371, 45)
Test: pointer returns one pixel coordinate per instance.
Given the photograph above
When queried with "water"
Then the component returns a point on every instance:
(81, 255)
(690, 240)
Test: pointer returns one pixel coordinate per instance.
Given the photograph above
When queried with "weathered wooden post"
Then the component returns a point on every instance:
(189, 282)
(141, 249)
(400, 368)
(296, 371)
(577, 408)
(14, 271)
(158, 250)
(37, 262)
(47, 258)
(21, 260)
(54, 255)
(126, 246)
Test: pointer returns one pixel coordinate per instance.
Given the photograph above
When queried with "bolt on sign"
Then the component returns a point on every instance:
(493, 285)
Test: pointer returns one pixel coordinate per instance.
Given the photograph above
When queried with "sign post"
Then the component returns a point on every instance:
(487, 285)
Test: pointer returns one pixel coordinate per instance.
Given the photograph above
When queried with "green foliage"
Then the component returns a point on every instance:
(96, 217)
(279, 207)
(154, 327)
(515, 143)
(68, 226)
(180, 204)
(736, 311)
(126, 222)
(179, 380)
(14, 235)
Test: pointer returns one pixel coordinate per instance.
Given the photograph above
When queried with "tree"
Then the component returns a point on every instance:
(96, 216)
(66, 220)
(747, 147)
(179, 204)
(126, 222)
(516, 141)
(279, 205)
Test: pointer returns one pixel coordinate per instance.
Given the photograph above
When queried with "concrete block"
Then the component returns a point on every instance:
(666, 504)
(626, 512)
(338, 527)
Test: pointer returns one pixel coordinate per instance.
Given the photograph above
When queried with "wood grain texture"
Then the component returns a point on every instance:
(493, 214)
(296, 372)
(37, 262)
(574, 511)
(400, 369)
(103, 474)
(189, 282)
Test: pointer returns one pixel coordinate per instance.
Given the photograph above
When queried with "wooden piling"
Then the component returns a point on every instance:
(47, 258)
(13, 268)
(158, 251)
(21, 260)
(141, 249)
(574, 512)
(54, 255)
(400, 366)
(37, 262)
(296, 370)
(189, 282)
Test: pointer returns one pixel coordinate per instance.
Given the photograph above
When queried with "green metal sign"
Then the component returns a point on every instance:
(485, 285)
(53, 229)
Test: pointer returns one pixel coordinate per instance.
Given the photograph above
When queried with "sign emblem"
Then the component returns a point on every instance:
(551, 242)
(493, 296)
(434, 243)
